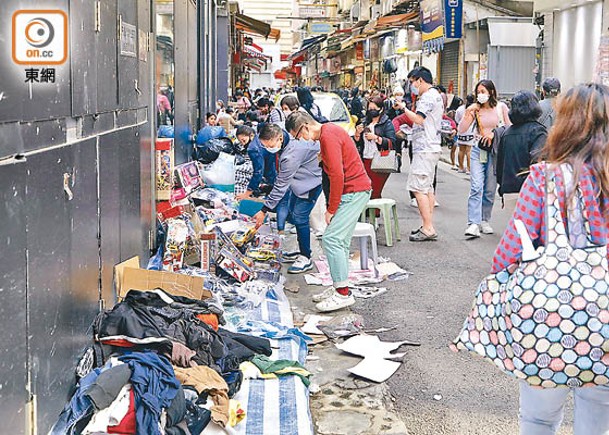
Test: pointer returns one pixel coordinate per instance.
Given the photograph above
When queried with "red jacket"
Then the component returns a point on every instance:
(342, 164)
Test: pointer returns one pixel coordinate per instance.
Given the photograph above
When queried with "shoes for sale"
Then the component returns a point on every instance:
(323, 295)
(335, 302)
(486, 228)
(473, 231)
(301, 265)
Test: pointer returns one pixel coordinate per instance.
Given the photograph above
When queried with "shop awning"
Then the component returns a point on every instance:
(396, 20)
(306, 44)
(257, 27)
(255, 51)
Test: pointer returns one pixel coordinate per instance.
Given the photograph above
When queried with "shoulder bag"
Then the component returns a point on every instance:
(546, 319)
(385, 162)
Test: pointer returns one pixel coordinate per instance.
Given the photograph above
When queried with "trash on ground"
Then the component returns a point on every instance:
(366, 292)
(311, 323)
(344, 325)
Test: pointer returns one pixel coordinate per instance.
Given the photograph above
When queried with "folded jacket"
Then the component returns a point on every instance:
(204, 379)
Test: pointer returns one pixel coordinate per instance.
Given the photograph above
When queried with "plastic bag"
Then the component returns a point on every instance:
(208, 133)
(344, 325)
(165, 131)
(318, 215)
(210, 150)
(221, 172)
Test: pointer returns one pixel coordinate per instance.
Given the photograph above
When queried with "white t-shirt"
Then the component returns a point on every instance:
(427, 138)
(467, 138)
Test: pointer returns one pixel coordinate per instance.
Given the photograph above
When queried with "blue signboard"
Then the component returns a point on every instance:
(453, 10)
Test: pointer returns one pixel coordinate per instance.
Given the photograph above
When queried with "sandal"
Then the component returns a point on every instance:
(422, 237)
(417, 230)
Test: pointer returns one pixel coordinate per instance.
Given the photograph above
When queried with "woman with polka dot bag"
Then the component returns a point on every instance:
(542, 316)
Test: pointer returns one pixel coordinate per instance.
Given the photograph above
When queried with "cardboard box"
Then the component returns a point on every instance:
(164, 168)
(128, 275)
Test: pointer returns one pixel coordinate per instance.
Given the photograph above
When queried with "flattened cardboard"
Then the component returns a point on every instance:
(128, 275)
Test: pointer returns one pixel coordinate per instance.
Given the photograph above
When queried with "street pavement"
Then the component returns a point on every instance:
(435, 391)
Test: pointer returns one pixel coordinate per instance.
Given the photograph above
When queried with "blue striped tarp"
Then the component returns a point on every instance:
(274, 406)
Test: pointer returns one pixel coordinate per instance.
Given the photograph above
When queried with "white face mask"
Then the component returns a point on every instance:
(272, 150)
(414, 89)
(483, 98)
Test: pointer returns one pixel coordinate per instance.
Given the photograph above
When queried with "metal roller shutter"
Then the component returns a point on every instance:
(449, 66)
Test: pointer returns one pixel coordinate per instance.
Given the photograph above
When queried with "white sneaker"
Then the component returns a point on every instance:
(473, 231)
(335, 302)
(486, 228)
(301, 265)
(436, 204)
(323, 295)
(413, 203)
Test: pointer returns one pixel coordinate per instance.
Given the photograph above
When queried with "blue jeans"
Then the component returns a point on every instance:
(541, 410)
(300, 212)
(282, 210)
(482, 190)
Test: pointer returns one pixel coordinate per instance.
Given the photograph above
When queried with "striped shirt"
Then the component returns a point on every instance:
(530, 209)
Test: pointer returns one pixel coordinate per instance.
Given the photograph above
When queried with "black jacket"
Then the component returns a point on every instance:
(518, 149)
(385, 130)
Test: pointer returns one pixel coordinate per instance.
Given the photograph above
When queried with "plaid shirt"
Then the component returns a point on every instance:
(530, 209)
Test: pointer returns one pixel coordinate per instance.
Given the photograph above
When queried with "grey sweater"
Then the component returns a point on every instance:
(298, 169)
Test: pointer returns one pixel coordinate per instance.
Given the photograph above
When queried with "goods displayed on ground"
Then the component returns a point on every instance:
(202, 340)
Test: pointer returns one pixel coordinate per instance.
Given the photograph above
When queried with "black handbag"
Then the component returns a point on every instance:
(482, 144)
(390, 66)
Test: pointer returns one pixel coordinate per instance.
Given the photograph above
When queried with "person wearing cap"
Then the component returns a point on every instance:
(550, 89)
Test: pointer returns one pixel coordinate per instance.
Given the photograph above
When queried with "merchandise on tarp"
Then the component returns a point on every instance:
(211, 301)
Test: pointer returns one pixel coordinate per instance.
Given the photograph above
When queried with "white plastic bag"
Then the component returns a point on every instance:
(221, 171)
(318, 215)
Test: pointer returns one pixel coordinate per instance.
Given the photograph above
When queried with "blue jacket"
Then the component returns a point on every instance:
(79, 410)
(155, 386)
(264, 163)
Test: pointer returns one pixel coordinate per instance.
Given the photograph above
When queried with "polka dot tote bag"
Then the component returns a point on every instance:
(546, 319)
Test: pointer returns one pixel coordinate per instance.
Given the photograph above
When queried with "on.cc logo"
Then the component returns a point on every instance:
(40, 37)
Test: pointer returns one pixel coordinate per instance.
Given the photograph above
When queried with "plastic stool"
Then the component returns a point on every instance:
(363, 232)
(387, 207)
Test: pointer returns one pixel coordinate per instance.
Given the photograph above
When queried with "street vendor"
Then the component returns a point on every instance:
(298, 183)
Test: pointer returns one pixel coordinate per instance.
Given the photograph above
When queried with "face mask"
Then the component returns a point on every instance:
(483, 98)
(399, 98)
(272, 150)
(374, 113)
(414, 89)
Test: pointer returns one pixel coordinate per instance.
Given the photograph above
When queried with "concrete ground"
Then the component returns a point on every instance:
(435, 391)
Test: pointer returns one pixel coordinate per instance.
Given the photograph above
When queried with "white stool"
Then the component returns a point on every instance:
(362, 232)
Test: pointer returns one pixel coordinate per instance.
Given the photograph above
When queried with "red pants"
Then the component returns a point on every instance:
(378, 179)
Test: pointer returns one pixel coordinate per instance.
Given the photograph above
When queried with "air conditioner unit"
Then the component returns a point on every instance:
(386, 6)
(355, 11)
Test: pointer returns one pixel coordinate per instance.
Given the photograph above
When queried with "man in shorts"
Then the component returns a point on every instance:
(426, 149)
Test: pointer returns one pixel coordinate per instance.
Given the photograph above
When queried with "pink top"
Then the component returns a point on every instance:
(162, 102)
(489, 118)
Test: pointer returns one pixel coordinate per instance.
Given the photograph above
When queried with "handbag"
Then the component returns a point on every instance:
(546, 319)
(385, 162)
(483, 145)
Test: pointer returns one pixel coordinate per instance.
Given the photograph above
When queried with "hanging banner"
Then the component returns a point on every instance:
(359, 51)
(432, 25)
(454, 18)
